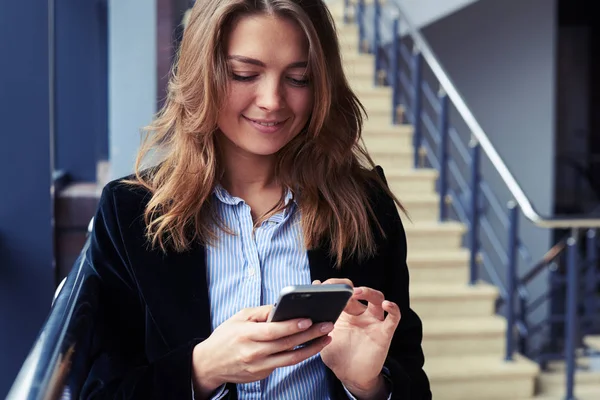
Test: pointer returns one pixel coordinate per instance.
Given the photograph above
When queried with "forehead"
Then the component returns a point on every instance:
(268, 38)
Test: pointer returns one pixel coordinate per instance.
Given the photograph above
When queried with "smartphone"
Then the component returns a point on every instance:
(320, 303)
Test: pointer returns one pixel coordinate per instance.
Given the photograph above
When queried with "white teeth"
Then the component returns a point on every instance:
(266, 123)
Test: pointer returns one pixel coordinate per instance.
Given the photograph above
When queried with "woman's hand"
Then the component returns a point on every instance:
(361, 340)
(246, 348)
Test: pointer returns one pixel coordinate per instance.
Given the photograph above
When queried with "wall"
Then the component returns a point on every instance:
(26, 275)
(501, 56)
(81, 87)
(132, 78)
(425, 12)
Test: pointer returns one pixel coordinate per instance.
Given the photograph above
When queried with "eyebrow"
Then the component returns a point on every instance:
(248, 60)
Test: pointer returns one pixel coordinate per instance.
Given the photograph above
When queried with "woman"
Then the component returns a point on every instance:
(261, 184)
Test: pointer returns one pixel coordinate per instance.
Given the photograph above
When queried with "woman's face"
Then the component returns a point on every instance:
(269, 97)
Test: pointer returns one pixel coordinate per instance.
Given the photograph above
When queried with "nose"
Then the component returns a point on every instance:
(270, 95)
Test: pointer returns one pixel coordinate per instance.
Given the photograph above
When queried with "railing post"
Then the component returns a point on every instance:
(394, 70)
(474, 226)
(443, 153)
(523, 349)
(376, 40)
(361, 24)
(511, 283)
(571, 315)
(346, 6)
(591, 281)
(417, 82)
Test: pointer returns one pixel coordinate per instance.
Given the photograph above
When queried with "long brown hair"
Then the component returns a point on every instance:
(326, 164)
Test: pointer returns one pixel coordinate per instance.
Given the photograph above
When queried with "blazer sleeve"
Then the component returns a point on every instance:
(405, 358)
(120, 368)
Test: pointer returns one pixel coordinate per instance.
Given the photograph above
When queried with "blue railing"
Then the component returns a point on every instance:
(411, 69)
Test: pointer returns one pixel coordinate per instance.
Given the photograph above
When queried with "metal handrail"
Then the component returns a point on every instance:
(478, 133)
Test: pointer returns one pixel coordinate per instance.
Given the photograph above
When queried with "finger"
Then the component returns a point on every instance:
(333, 281)
(293, 357)
(316, 282)
(370, 295)
(271, 331)
(255, 314)
(293, 341)
(374, 298)
(354, 307)
(393, 318)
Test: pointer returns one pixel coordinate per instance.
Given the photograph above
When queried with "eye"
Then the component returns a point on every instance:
(242, 78)
(299, 82)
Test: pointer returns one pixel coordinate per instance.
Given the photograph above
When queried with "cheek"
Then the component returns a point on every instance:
(302, 104)
(237, 100)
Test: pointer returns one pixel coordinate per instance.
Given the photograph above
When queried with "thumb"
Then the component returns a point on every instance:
(256, 314)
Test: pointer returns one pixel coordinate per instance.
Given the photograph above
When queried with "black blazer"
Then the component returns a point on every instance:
(154, 307)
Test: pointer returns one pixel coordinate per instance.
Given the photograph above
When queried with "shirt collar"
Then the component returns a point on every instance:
(226, 198)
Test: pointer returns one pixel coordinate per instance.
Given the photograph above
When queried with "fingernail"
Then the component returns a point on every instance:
(358, 290)
(326, 327)
(305, 323)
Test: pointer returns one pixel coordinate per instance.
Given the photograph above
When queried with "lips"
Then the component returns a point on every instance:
(265, 126)
(264, 122)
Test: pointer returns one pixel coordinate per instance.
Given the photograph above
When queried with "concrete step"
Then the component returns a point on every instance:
(420, 207)
(411, 181)
(434, 236)
(382, 126)
(450, 267)
(480, 378)
(451, 301)
(396, 159)
(366, 93)
(382, 139)
(359, 73)
(464, 336)
(552, 382)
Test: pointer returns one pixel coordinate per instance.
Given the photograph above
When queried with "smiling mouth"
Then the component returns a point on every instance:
(266, 123)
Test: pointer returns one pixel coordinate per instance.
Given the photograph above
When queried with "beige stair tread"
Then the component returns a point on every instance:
(404, 151)
(476, 326)
(387, 130)
(434, 226)
(381, 125)
(592, 341)
(453, 256)
(417, 173)
(435, 290)
(418, 198)
(581, 393)
(477, 367)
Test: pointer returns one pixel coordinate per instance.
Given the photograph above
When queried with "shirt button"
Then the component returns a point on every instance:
(251, 271)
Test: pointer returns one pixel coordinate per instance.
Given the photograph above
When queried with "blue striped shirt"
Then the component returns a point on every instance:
(248, 269)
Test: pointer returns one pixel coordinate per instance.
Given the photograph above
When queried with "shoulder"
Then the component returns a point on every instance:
(123, 201)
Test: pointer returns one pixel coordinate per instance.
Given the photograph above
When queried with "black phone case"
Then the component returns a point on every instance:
(319, 307)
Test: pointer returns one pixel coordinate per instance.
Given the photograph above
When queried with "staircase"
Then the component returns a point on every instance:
(463, 338)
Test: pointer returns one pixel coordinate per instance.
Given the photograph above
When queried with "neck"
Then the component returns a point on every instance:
(246, 174)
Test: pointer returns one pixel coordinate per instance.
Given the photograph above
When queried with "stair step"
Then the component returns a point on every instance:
(434, 236)
(366, 94)
(420, 207)
(592, 341)
(384, 140)
(581, 393)
(408, 181)
(359, 69)
(445, 300)
(554, 382)
(480, 377)
(464, 336)
(398, 159)
(449, 267)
